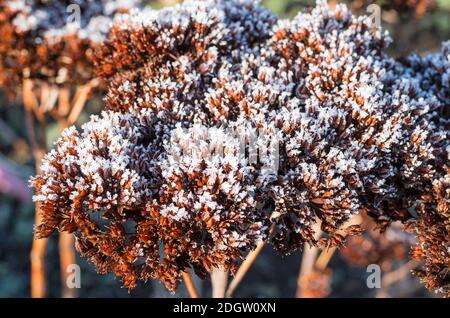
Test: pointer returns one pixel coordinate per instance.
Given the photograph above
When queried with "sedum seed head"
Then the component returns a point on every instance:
(54, 41)
(355, 131)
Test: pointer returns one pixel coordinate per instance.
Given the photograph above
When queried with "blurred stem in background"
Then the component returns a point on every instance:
(36, 132)
(314, 279)
(190, 286)
(243, 269)
(56, 102)
(219, 281)
(309, 255)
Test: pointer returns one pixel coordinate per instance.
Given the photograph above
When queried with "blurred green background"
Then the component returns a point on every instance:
(415, 25)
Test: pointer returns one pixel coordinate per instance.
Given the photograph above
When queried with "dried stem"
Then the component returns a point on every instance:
(66, 240)
(192, 290)
(80, 100)
(219, 280)
(311, 262)
(395, 276)
(245, 266)
(37, 258)
(30, 100)
(49, 103)
(326, 255)
(324, 258)
(34, 110)
(66, 258)
(63, 102)
(243, 269)
(308, 260)
(49, 97)
(38, 145)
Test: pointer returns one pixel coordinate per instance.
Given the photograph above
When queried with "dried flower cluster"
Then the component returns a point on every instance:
(53, 41)
(422, 171)
(356, 131)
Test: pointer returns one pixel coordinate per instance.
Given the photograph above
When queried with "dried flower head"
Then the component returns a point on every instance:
(206, 202)
(421, 162)
(356, 130)
(53, 41)
(187, 59)
(96, 183)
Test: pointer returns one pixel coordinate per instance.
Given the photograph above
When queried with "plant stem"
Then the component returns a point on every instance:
(308, 259)
(219, 280)
(38, 146)
(245, 266)
(66, 118)
(326, 255)
(324, 258)
(395, 276)
(243, 269)
(34, 110)
(79, 101)
(192, 290)
(66, 258)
